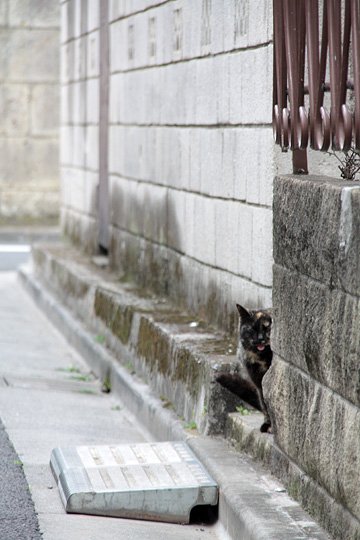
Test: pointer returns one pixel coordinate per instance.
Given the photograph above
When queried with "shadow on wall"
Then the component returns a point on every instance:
(82, 227)
(147, 248)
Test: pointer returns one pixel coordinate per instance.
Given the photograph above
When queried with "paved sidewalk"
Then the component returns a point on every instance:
(49, 398)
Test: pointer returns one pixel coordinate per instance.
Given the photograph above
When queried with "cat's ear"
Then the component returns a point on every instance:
(244, 314)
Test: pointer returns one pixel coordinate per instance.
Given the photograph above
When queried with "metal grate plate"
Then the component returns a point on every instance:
(156, 481)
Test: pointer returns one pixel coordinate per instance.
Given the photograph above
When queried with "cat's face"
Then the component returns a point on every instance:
(255, 328)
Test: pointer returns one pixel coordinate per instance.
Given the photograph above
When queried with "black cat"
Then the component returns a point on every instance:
(255, 356)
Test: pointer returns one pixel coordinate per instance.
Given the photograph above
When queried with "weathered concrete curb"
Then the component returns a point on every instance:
(243, 433)
(252, 505)
(177, 356)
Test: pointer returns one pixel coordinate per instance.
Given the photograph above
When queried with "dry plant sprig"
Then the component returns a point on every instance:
(349, 163)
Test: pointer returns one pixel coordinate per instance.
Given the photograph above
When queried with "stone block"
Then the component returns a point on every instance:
(66, 104)
(64, 23)
(211, 153)
(34, 14)
(224, 233)
(221, 66)
(250, 82)
(176, 204)
(45, 110)
(19, 205)
(318, 430)
(4, 10)
(92, 101)
(317, 229)
(93, 15)
(78, 149)
(78, 12)
(80, 228)
(254, 23)
(118, 36)
(259, 174)
(115, 150)
(191, 25)
(93, 54)
(75, 189)
(66, 145)
(195, 164)
(78, 106)
(67, 62)
(29, 55)
(189, 233)
(247, 23)
(92, 148)
(261, 246)
(116, 8)
(155, 218)
(169, 43)
(14, 109)
(318, 329)
(128, 109)
(185, 157)
(91, 188)
(80, 59)
(145, 28)
(128, 200)
(189, 98)
(24, 159)
(217, 27)
(171, 165)
(206, 91)
(243, 238)
(204, 229)
(116, 98)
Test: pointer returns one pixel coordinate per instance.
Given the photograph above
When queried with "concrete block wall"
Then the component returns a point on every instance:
(190, 150)
(313, 387)
(79, 159)
(29, 102)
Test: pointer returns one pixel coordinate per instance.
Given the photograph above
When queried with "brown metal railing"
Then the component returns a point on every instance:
(316, 51)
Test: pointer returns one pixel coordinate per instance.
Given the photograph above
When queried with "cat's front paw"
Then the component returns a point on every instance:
(266, 427)
(223, 378)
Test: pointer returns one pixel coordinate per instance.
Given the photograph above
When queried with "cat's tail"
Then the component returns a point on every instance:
(241, 387)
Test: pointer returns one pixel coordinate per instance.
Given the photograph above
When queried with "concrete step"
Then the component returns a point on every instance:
(177, 355)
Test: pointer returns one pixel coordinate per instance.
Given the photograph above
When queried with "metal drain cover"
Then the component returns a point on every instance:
(156, 481)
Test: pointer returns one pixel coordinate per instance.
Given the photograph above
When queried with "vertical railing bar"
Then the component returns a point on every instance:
(280, 72)
(323, 56)
(345, 54)
(356, 60)
(301, 50)
(293, 69)
(312, 39)
(334, 30)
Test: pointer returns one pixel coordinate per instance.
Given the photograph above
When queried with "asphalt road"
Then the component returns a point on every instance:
(18, 519)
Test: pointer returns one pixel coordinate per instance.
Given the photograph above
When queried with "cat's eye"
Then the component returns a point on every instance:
(266, 324)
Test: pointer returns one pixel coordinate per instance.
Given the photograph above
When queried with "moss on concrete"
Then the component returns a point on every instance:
(153, 346)
(117, 317)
